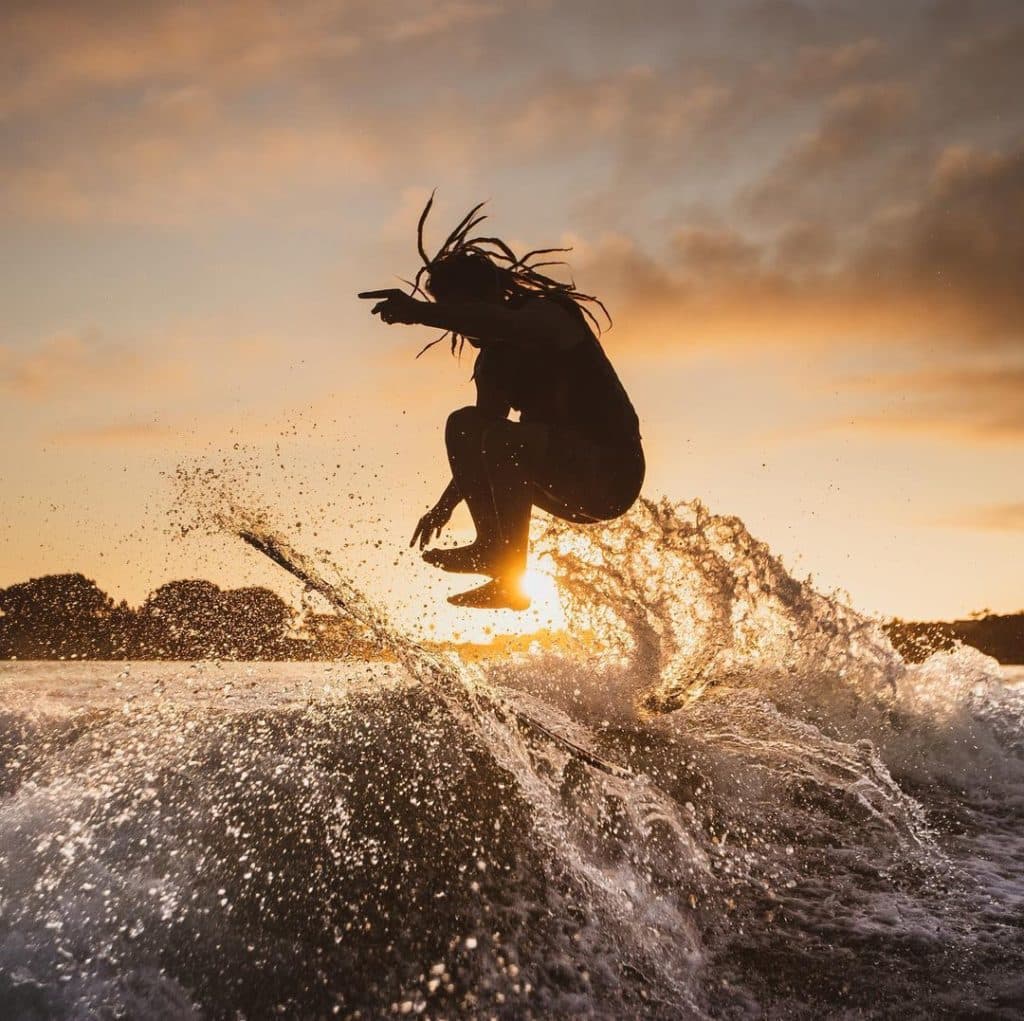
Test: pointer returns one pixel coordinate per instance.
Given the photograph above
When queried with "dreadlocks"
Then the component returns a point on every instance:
(491, 265)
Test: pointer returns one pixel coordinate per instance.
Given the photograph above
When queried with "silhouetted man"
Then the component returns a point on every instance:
(575, 451)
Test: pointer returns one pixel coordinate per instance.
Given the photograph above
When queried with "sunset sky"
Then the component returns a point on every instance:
(806, 219)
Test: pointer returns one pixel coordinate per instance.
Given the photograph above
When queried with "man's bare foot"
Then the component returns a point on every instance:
(472, 559)
(497, 594)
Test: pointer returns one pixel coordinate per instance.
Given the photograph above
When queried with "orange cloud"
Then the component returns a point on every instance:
(995, 517)
(171, 175)
(945, 269)
(54, 53)
(61, 50)
(999, 517)
(982, 404)
(120, 434)
(77, 362)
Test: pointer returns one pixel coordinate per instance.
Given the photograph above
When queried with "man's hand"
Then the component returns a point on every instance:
(396, 306)
(430, 524)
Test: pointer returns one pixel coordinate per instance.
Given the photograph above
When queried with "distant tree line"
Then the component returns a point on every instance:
(67, 616)
(999, 636)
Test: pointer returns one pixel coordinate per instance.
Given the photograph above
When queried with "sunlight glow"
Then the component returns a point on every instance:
(539, 584)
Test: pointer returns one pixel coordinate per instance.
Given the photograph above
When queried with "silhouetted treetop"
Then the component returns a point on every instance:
(64, 595)
(67, 616)
(56, 615)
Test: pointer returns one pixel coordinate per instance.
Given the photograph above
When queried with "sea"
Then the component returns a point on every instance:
(726, 796)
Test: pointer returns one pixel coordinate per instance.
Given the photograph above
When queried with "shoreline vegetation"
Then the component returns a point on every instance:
(69, 617)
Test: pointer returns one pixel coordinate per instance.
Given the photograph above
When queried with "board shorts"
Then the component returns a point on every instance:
(581, 480)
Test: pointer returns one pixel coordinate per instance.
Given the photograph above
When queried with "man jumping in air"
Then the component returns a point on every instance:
(575, 451)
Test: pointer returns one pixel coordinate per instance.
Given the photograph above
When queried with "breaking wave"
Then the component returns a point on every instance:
(730, 797)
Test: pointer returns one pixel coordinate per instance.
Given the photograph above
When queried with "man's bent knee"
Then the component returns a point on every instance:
(462, 423)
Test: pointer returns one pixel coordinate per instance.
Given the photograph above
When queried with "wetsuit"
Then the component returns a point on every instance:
(592, 464)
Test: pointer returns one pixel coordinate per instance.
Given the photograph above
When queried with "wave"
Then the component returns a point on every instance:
(732, 798)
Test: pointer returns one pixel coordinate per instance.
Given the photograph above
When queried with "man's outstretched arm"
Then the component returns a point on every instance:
(536, 322)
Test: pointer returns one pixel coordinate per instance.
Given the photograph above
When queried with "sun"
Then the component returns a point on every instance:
(445, 622)
(539, 584)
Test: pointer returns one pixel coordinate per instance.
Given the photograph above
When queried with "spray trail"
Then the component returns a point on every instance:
(737, 802)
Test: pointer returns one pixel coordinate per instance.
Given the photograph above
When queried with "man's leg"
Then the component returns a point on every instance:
(491, 462)
(464, 440)
(510, 453)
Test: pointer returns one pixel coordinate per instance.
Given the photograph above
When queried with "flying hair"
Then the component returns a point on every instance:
(514, 276)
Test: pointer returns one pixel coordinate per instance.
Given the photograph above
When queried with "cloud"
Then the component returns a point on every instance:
(979, 404)
(169, 371)
(443, 17)
(634, 106)
(852, 125)
(56, 52)
(168, 114)
(170, 168)
(962, 243)
(70, 363)
(942, 270)
(998, 517)
(827, 123)
(120, 434)
(716, 253)
(180, 150)
(980, 74)
(879, 219)
(821, 66)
